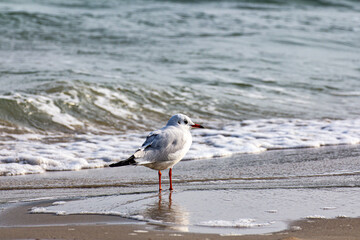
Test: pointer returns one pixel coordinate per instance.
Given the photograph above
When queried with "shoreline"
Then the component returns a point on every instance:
(271, 195)
(17, 223)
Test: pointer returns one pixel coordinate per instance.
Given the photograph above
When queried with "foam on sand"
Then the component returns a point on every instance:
(239, 223)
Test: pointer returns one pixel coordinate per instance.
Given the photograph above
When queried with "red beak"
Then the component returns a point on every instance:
(197, 126)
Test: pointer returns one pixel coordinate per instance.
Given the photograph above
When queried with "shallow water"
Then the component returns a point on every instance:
(219, 211)
(88, 76)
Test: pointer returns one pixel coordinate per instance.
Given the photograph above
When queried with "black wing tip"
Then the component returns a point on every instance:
(129, 161)
(114, 164)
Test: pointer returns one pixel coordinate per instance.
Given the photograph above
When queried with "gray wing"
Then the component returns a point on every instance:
(150, 139)
(153, 136)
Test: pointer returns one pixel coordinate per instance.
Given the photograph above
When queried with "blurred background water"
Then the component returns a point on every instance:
(106, 67)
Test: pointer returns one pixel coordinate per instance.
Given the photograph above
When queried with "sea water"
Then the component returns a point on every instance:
(83, 82)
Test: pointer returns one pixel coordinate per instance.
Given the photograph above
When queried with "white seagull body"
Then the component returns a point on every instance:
(165, 147)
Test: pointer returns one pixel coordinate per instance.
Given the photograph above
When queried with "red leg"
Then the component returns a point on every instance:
(170, 175)
(159, 180)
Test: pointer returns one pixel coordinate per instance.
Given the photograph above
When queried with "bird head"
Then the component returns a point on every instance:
(183, 121)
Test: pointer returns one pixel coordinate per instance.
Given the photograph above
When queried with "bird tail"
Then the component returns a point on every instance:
(129, 161)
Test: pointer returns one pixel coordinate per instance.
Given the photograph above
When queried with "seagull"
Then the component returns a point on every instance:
(165, 147)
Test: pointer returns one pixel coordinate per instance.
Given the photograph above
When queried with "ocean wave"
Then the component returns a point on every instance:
(83, 107)
(76, 106)
(37, 153)
(125, 64)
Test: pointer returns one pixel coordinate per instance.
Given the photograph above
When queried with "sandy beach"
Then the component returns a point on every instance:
(344, 229)
(22, 225)
(287, 194)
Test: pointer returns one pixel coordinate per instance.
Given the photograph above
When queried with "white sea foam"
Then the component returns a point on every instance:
(240, 223)
(107, 100)
(38, 199)
(47, 105)
(315, 217)
(30, 153)
(39, 210)
(58, 203)
(255, 136)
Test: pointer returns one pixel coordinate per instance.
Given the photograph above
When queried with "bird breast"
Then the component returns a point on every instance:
(172, 146)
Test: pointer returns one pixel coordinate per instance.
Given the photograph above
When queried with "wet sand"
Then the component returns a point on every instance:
(17, 223)
(277, 189)
(344, 229)
(93, 227)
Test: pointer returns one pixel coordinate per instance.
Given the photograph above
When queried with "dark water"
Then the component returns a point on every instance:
(89, 65)
(72, 69)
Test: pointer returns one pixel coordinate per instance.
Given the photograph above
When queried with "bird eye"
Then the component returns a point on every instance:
(185, 121)
(179, 122)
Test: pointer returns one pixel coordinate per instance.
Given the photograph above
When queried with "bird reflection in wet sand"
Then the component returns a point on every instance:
(169, 214)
